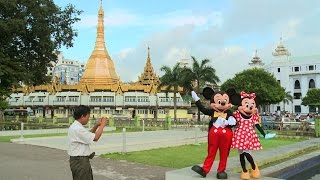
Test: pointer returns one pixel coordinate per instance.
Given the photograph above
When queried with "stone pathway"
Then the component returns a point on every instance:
(259, 156)
(134, 141)
(137, 141)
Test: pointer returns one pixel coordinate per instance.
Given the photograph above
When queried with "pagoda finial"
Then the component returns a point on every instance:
(148, 53)
(100, 69)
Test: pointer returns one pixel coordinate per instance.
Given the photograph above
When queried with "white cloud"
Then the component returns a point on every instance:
(209, 36)
(115, 17)
(185, 20)
(229, 61)
(124, 53)
(251, 15)
(121, 17)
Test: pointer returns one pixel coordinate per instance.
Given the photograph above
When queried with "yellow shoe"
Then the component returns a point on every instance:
(245, 175)
(255, 173)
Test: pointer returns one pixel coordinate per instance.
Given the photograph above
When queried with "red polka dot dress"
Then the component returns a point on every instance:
(245, 136)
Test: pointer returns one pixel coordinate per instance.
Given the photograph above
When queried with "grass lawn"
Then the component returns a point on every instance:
(118, 130)
(186, 155)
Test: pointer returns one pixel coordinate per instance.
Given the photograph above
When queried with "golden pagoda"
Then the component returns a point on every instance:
(100, 68)
(100, 88)
(149, 76)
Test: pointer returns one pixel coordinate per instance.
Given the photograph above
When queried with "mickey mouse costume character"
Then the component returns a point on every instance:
(245, 137)
(220, 133)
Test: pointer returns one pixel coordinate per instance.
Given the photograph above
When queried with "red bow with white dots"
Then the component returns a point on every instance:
(246, 95)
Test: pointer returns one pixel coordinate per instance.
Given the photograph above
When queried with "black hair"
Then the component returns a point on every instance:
(81, 111)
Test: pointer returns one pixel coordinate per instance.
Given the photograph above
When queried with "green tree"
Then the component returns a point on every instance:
(31, 31)
(312, 98)
(172, 80)
(259, 81)
(287, 98)
(200, 72)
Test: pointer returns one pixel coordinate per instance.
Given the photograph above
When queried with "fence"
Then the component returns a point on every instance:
(14, 123)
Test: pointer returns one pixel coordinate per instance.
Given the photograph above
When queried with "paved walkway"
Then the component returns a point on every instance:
(137, 141)
(27, 162)
(133, 141)
(262, 157)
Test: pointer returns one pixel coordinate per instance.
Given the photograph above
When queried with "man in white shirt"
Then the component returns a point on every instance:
(79, 139)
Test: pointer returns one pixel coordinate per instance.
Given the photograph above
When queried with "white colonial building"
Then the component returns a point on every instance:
(297, 75)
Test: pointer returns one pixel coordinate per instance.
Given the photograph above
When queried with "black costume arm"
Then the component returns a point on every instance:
(204, 110)
(260, 129)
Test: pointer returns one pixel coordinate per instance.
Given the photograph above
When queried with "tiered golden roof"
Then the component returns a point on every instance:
(100, 74)
(100, 68)
(281, 50)
(149, 76)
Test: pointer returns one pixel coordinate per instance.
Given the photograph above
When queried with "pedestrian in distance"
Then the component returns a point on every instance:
(79, 140)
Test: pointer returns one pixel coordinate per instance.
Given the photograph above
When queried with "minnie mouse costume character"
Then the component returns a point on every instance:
(220, 133)
(245, 137)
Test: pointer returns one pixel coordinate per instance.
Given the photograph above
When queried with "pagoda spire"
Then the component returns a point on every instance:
(100, 44)
(100, 69)
(281, 49)
(148, 58)
(149, 76)
(256, 60)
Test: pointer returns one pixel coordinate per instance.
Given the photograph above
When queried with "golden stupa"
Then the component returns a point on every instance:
(100, 68)
(100, 74)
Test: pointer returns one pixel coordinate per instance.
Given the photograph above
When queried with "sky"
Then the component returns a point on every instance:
(226, 32)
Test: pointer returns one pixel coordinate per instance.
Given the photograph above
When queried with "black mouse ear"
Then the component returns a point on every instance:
(207, 93)
(231, 92)
(257, 99)
(235, 99)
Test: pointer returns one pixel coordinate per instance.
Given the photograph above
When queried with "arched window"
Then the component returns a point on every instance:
(312, 84)
(297, 85)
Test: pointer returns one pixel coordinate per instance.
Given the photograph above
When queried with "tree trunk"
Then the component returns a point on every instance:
(175, 105)
(1, 119)
(1, 116)
(198, 92)
(156, 115)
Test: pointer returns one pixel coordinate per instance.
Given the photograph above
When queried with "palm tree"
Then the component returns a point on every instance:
(172, 80)
(201, 73)
(287, 98)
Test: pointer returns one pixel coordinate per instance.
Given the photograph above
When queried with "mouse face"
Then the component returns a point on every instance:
(248, 104)
(220, 102)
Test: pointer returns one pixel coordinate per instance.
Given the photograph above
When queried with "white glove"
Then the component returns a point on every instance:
(224, 122)
(268, 136)
(194, 96)
(232, 121)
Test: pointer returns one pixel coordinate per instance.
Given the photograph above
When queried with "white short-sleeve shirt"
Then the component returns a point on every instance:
(79, 139)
